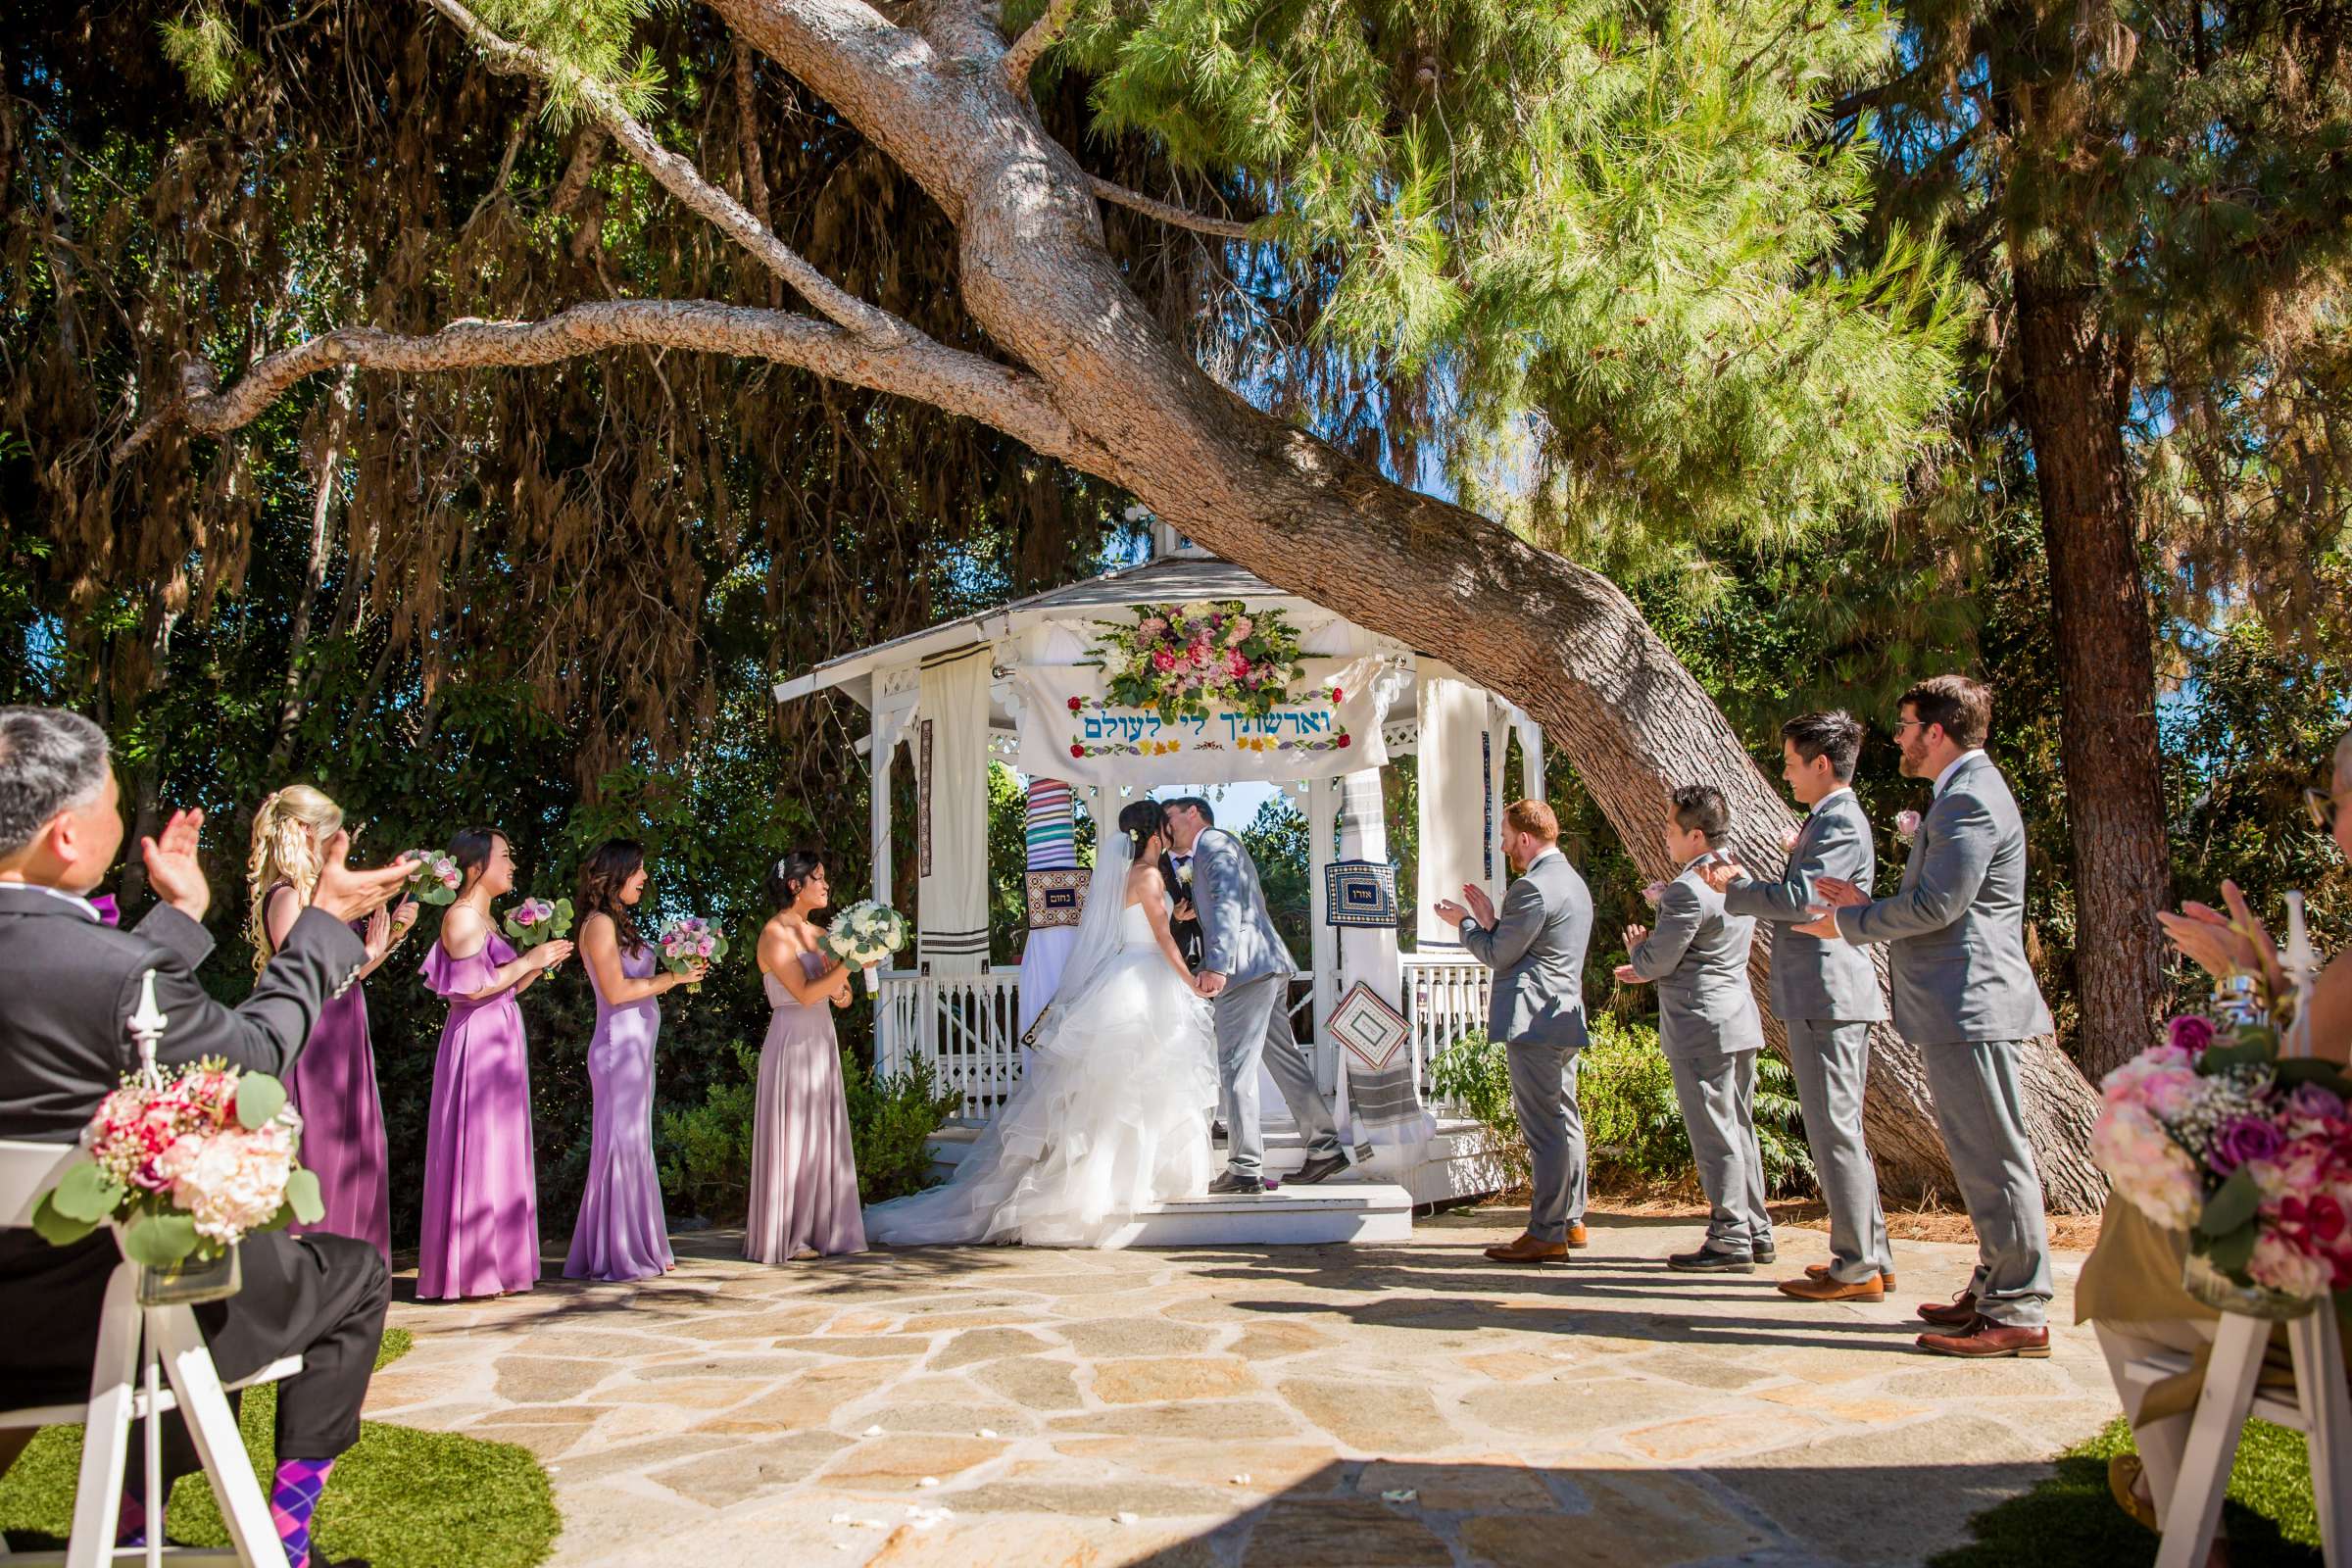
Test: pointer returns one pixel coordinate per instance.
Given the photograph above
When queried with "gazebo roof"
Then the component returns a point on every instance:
(1187, 576)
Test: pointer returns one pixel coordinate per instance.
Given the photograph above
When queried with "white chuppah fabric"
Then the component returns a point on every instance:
(1457, 805)
(1065, 731)
(951, 749)
(1385, 1107)
(1052, 844)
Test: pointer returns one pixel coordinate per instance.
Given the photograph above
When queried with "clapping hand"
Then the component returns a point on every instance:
(1482, 908)
(2224, 945)
(404, 918)
(1722, 872)
(551, 954)
(172, 868)
(1625, 975)
(1452, 912)
(378, 936)
(346, 893)
(1823, 924)
(1635, 936)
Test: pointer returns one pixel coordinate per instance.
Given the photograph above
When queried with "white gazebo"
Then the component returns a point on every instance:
(1022, 685)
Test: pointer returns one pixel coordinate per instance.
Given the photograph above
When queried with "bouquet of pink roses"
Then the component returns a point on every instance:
(188, 1165)
(2213, 1132)
(690, 940)
(436, 879)
(535, 920)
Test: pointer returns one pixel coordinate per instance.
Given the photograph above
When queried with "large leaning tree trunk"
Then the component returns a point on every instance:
(1096, 383)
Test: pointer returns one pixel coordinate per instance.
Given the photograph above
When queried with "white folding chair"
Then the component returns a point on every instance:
(126, 1386)
(2321, 1409)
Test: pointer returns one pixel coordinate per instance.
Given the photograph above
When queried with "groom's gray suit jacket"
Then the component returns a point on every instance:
(1237, 939)
(1536, 951)
(1813, 979)
(1957, 925)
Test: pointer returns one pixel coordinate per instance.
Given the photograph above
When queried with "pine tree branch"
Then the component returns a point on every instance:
(683, 179)
(1180, 217)
(1034, 41)
(927, 372)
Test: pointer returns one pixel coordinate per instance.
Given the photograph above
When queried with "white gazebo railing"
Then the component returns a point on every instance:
(966, 1025)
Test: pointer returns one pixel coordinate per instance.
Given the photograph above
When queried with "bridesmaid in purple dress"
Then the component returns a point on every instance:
(333, 1083)
(803, 1176)
(621, 1234)
(481, 1195)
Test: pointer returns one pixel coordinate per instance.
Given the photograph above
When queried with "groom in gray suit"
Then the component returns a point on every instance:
(1965, 995)
(1245, 972)
(1535, 948)
(1828, 995)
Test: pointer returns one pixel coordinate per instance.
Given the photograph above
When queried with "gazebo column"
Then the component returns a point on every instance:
(1531, 758)
(882, 747)
(1323, 939)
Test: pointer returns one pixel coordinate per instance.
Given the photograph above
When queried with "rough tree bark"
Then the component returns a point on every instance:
(2078, 386)
(299, 681)
(1105, 390)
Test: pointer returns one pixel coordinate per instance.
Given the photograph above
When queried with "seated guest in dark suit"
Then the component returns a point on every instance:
(70, 982)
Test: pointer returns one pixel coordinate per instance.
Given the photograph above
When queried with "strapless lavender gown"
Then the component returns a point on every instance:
(332, 1084)
(621, 1234)
(481, 1195)
(803, 1176)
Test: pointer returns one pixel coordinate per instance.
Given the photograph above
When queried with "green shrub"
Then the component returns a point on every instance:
(706, 1148)
(1633, 1126)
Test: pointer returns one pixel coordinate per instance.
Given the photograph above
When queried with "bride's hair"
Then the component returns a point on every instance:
(1139, 822)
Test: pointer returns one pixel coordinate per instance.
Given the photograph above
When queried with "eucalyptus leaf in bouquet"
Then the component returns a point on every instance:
(863, 934)
(536, 920)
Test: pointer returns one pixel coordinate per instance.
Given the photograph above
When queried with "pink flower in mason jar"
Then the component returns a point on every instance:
(2190, 1032)
(1907, 825)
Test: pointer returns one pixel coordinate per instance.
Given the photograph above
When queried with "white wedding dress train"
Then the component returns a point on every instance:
(1111, 1118)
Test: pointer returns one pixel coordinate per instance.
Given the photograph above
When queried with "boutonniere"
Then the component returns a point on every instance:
(1651, 894)
(1788, 838)
(1184, 873)
(1907, 825)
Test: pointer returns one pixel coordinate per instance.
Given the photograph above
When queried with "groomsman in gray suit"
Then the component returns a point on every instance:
(1535, 948)
(1710, 1031)
(1828, 996)
(1965, 996)
(1245, 973)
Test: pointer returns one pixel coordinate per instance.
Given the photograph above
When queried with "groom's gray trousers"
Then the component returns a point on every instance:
(1254, 1025)
(1831, 1060)
(1544, 1094)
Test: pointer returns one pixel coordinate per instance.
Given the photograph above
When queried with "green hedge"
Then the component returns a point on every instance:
(1633, 1128)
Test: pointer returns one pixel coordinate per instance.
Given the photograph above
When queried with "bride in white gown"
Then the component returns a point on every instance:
(1111, 1116)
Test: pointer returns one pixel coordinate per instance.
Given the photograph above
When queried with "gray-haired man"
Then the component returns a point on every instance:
(1827, 995)
(1965, 995)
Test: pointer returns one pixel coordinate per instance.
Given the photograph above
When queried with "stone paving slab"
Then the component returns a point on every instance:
(1340, 1406)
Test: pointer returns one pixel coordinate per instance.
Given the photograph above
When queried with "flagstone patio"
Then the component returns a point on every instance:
(1366, 1406)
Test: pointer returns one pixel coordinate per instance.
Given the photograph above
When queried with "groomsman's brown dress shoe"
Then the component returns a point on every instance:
(1821, 1271)
(1957, 1314)
(1825, 1288)
(1527, 1250)
(1986, 1339)
(1576, 1237)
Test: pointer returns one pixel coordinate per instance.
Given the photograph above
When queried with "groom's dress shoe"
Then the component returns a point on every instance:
(1765, 1252)
(1318, 1167)
(1985, 1339)
(1821, 1271)
(1825, 1288)
(1706, 1260)
(1528, 1249)
(1230, 1182)
(1957, 1314)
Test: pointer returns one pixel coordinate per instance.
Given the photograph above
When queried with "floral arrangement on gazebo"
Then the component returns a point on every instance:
(1176, 660)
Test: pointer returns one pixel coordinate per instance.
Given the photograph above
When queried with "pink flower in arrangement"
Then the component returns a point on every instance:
(1907, 825)
(1163, 660)
(1151, 626)
(1237, 665)
(2278, 1264)
(1240, 629)
(2190, 1032)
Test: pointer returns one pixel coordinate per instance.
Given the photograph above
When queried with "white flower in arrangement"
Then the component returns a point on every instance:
(864, 934)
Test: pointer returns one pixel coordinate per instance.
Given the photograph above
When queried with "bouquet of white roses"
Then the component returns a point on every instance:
(864, 934)
(690, 940)
(535, 920)
(436, 879)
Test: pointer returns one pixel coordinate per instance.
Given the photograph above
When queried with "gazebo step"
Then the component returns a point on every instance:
(1302, 1216)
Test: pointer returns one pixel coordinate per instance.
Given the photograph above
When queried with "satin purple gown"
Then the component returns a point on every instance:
(621, 1233)
(481, 1195)
(803, 1177)
(332, 1084)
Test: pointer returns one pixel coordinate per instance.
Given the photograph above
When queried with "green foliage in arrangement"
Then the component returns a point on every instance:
(706, 1149)
(1634, 1134)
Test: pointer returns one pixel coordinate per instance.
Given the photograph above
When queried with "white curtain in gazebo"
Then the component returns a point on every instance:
(951, 754)
(1457, 804)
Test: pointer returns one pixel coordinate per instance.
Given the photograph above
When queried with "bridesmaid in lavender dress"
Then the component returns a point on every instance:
(481, 1197)
(803, 1177)
(621, 1234)
(333, 1083)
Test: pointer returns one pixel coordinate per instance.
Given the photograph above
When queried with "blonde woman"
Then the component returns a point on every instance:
(333, 1080)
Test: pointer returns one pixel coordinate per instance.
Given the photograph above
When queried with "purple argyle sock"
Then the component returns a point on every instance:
(130, 1523)
(293, 1498)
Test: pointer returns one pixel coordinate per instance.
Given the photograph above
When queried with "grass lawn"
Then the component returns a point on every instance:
(2069, 1521)
(400, 1498)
